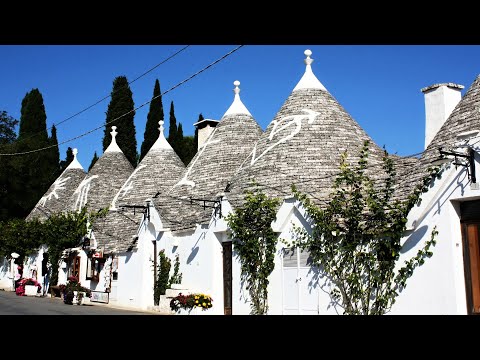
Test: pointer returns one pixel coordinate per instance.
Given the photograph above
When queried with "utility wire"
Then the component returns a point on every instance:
(106, 97)
(146, 103)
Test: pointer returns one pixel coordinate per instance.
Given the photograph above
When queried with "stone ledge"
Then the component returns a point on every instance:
(171, 293)
(450, 85)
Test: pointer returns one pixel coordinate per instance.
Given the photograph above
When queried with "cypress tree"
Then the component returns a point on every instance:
(7, 137)
(33, 118)
(172, 129)
(54, 155)
(188, 151)
(179, 143)
(155, 114)
(68, 159)
(34, 172)
(94, 160)
(121, 103)
(179, 136)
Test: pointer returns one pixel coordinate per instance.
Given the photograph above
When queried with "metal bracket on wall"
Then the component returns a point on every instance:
(213, 204)
(145, 209)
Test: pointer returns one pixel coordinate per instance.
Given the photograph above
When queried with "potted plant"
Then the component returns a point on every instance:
(32, 287)
(27, 286)
(74, 292)
(182, 304)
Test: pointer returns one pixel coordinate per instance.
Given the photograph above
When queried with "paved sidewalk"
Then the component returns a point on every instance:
(117, 306)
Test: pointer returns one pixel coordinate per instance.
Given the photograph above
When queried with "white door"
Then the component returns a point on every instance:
(300, 286)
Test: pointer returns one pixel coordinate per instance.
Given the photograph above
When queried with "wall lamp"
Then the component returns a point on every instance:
(469, 156)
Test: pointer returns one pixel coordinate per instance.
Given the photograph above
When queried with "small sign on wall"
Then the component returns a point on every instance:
(98, 296)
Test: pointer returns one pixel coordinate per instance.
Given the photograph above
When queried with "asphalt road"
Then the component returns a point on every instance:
(11, 304)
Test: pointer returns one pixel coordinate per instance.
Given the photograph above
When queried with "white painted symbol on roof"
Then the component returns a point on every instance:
(126, 187)
(82, 192)
(185, 180)
(59, 184)
(288, 121)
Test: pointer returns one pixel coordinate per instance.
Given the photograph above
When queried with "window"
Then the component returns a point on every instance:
(94, 267)
(74, 269)
(115, 268)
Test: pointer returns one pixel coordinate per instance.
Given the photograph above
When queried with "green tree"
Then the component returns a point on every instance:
(356, 238)
(7, 128)
(155, 114)
(36, 171)
(188, 149)
(255, 242)
(121, 113)
(68, 159)
(53, 155)
(20, 236)
(33, 118)
(180, 133)
(94, 160)
(7, 137)
(179, 145)
(185, 146)
(172, 128)
(59, 232)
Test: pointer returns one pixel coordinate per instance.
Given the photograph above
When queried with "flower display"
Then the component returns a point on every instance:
(73, 285)
(20, 285)
(190, 301)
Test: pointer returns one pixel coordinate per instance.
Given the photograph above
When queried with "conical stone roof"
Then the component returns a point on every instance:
(57, 197)
(209, 172)
(104, 179)
(464, 120)
(158, 171)
(303, 145)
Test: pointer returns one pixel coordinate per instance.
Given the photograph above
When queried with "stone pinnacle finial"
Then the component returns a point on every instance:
(74, 164)
(309, 80)
(237, 106)
(161, 142)
(237, 89)
(113, 147)
(308, 60)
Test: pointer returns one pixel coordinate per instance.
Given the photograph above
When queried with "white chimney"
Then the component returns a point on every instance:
(205, 128)
(440, 100)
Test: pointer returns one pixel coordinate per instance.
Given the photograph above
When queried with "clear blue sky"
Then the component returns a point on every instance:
(378, 85)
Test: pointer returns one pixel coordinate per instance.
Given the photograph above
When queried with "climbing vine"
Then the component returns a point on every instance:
(356, 237)
(163, 272)
(176, 277)
(255, 244)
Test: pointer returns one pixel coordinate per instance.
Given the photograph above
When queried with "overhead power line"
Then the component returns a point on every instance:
(125, 114)
(109, 95)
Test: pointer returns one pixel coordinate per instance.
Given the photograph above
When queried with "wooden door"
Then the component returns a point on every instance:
(471, 253)
(227, 277)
